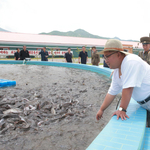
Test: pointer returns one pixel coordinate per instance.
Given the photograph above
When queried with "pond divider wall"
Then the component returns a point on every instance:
(117, 134)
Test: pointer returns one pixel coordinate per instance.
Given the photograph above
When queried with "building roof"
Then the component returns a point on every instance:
(40, 39)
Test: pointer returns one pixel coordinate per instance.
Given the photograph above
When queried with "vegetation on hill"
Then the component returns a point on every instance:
(80, 33)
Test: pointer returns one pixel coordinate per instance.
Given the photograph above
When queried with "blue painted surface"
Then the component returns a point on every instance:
(6, 83)
(123, 135)
(147, 139)
(117, 134)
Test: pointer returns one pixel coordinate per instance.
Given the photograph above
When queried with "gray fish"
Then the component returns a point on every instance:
(66, 104)
(12, 110)
(53, 111)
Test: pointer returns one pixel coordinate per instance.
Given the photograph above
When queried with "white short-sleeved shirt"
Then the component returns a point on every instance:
(135, 73)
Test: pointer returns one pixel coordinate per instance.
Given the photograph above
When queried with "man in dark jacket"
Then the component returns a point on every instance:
(24, 53)
(44, 54)
(17, 54)
(83, 55)
(68, 56)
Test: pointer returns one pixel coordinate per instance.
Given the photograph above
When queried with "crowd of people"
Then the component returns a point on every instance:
(83, 55)
(24, 53)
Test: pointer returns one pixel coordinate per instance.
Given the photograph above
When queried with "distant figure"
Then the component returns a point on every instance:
(145, 55)
(24, 53)
(17, 54)
(104, 63)
(44, 54)
(83, 55)
(95, 59)
(68, 56)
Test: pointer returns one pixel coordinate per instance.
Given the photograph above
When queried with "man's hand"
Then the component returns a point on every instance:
(120, 114)
(99, 114)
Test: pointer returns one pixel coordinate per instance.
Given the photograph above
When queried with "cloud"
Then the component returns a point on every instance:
(125, 19)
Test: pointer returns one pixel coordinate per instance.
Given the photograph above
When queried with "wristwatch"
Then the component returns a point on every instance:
(121, 109)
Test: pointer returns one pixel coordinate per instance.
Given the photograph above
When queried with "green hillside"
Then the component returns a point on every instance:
(80, 33)
(76, 33)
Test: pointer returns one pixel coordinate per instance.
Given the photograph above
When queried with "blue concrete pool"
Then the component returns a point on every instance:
(130, 134)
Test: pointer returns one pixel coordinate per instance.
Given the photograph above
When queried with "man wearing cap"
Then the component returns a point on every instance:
(127, 78)
(145, 55)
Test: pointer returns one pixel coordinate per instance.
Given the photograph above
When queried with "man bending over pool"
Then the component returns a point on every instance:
(131, 77)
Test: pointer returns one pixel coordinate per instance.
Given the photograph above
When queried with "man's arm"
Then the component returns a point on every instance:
(87, 57)
(28, 53)
(107, 101)
(20, 55)
(126, 96)
(65, 57)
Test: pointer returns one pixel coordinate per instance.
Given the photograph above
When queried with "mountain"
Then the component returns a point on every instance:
(3, 30)
(76, 33)
(80, 33)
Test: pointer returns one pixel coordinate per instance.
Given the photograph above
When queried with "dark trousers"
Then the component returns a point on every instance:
(148, 118)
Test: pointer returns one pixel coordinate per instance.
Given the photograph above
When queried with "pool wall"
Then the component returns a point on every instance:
(117, 134)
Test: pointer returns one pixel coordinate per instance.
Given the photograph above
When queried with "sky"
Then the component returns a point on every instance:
(126, 19)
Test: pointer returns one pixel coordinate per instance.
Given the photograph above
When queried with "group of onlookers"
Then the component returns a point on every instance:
(24, 53)
(21, 55)
(83, 56)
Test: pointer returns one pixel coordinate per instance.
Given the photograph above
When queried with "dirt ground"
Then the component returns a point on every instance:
(51, 108)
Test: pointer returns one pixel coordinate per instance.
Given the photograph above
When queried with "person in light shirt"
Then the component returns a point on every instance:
(131, 76)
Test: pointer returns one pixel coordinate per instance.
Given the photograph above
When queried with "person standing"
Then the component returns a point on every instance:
(24, 53)
(145, 55)
(83, 56)
(17, 54)
(95, 59)
(68, 56)
(44, 54)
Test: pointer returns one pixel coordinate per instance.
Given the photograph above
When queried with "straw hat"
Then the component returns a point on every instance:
(113, 45)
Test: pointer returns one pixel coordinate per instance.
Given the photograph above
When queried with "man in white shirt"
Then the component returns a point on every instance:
(131, 77)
